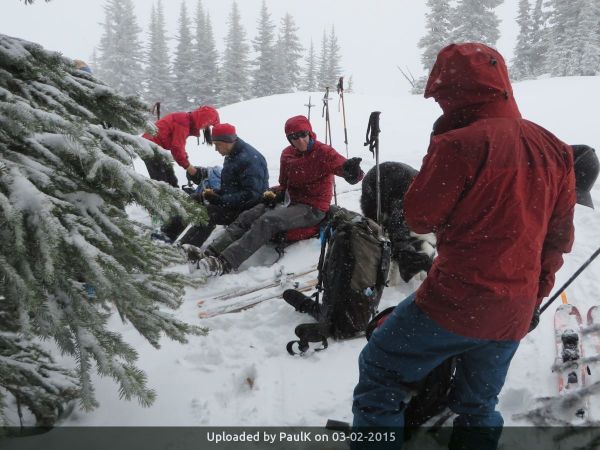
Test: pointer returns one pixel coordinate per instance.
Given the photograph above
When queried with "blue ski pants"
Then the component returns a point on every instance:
(404, 350)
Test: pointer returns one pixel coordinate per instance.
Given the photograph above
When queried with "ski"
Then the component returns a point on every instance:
(569, 353)
(592, 333)
(281, 279)
(251, 302)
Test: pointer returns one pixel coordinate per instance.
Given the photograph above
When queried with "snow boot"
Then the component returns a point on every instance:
(212, 266)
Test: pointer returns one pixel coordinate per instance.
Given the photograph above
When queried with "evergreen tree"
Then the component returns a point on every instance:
(69, 252)
(183, 65)
(539, 40)
(590, 37)
(439, 30)
(211, 66)
(290, 51)
(475, 20)
(159, 82)
(263, 82)
(121, 52)
(310, 77)
(323, 62)
(521, 62)
(334, 70)
(567, 38)
(205, 72)
(235, 75)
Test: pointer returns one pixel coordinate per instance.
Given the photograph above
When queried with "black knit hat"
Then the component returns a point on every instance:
(586, 167)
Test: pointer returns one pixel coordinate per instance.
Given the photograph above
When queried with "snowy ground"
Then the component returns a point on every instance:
(241, 374)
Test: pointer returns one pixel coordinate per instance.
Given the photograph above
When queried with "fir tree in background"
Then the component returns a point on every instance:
(589, 34)
(323, 63)
(121, 52)
(475, 20)
(185, 92)
(539, 41)
(70, 254)
(289, 50)
(205, 73)
(208, 66)
(334, 69)
(159, 83)
(521, 64)
(439, 31)
(235, 76)
(263, 76)
(568, 38)
(309, 83)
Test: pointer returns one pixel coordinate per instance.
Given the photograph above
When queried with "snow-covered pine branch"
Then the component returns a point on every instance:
(69, 250)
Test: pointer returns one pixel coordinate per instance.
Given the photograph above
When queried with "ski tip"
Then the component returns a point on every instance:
(204, 315)
(200, 302)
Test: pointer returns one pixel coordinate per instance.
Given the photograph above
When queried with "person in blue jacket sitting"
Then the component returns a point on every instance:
(244, 178)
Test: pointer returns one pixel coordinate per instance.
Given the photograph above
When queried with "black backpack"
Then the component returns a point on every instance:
(352, 273)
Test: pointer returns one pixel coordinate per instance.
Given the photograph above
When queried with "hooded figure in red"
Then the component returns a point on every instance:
(171, 134)
(173, 130)
(499, 192)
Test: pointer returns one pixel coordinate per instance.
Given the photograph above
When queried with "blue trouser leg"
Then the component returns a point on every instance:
(405, 349)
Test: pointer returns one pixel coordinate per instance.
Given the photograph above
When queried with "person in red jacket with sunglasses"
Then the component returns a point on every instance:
(499, 193)
(301, 200)
(171, 134)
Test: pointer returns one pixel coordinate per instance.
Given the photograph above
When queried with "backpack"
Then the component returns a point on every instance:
(431, 398)
(352, 273)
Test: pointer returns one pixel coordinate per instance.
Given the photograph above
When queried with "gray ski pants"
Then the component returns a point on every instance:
(258, 225)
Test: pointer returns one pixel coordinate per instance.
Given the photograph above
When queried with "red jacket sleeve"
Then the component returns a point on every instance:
(437, 188)
(179, 136)
(333, 161)
(559, 238)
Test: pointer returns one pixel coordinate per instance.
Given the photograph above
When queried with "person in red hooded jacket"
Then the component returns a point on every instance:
(301, 199)
(499, 192)
(171, 134)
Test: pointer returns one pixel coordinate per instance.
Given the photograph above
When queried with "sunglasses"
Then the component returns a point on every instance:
(298, 135)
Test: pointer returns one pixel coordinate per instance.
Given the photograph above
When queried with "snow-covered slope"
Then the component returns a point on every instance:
(240, 374)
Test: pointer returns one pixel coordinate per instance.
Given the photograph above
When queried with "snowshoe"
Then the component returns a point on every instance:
(309, 332)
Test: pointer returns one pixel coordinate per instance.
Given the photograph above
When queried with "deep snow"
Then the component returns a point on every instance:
(240, 374)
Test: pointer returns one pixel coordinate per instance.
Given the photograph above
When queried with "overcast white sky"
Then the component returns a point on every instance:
(375, 35)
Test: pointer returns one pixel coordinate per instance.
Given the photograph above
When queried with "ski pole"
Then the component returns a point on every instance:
(340, 90)
(309, 105)
(328, 132)
(570, 280)
(156, 110)
(372, 140)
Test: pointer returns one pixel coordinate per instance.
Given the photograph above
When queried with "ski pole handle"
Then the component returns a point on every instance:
(570, 280)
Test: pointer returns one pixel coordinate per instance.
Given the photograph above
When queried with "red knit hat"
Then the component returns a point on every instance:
(224, 132)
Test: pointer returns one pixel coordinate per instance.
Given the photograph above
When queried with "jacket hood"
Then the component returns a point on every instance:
(203, 117)
(299, 123)
(470, 81)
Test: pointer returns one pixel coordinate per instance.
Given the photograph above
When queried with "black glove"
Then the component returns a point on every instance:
(211, 196)
(271, 198)
(198, 176)
(535, 320)
(351, 170)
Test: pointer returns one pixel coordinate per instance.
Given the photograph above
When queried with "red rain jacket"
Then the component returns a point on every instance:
(499, 192)
(308, 176)
(174, 129)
